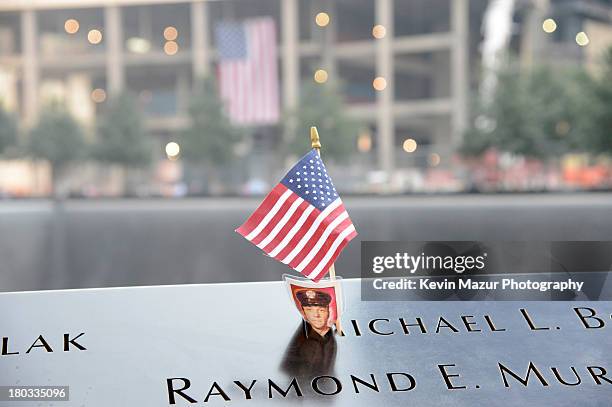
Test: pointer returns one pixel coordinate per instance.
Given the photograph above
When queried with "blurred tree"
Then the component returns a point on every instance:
(580, 125)
(601, 139)
(322, 106)
(8, 130)
(58, 139)
(210, 137)
(210, 140)
(121, 137)
(542, 113)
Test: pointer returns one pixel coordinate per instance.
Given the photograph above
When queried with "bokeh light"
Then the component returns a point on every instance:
(410, 145)
(582, 39)
(172, 150)
(364, 142)
(94, 36)
(170, 33)
(322, 19)
(171, 47)
(434, 159)
(549, 25)
(71, 26)
(98, 95)
(379, 31)
(379, 83)
(320, 76)
(138, 45)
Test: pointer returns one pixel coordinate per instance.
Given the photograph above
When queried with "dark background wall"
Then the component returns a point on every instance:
(118, 243)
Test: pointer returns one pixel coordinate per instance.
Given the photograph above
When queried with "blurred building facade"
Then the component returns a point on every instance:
(428, 52)
(423, 57)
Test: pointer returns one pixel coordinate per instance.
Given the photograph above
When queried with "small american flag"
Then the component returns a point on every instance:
(248, 74)
(302, 222)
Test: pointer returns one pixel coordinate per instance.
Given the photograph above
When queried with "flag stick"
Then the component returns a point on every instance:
(315, 142)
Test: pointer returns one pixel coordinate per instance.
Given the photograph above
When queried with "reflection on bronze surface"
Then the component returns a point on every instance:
(308, 353)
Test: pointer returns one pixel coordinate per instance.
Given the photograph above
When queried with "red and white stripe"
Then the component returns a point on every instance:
(289, 229)
(249, 86)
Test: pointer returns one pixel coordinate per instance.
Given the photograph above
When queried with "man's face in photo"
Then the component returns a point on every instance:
(317, 316)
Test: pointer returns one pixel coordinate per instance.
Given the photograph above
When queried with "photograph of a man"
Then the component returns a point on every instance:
(315, 308)
(320, 304)
(312, 349)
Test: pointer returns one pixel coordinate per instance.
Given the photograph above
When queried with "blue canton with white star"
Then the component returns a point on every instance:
(309, 179)
(231, 41)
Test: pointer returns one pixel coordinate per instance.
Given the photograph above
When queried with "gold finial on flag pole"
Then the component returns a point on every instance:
(315, 143)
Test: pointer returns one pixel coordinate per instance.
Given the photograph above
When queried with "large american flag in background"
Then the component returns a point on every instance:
(302, 222)
(247, 70)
